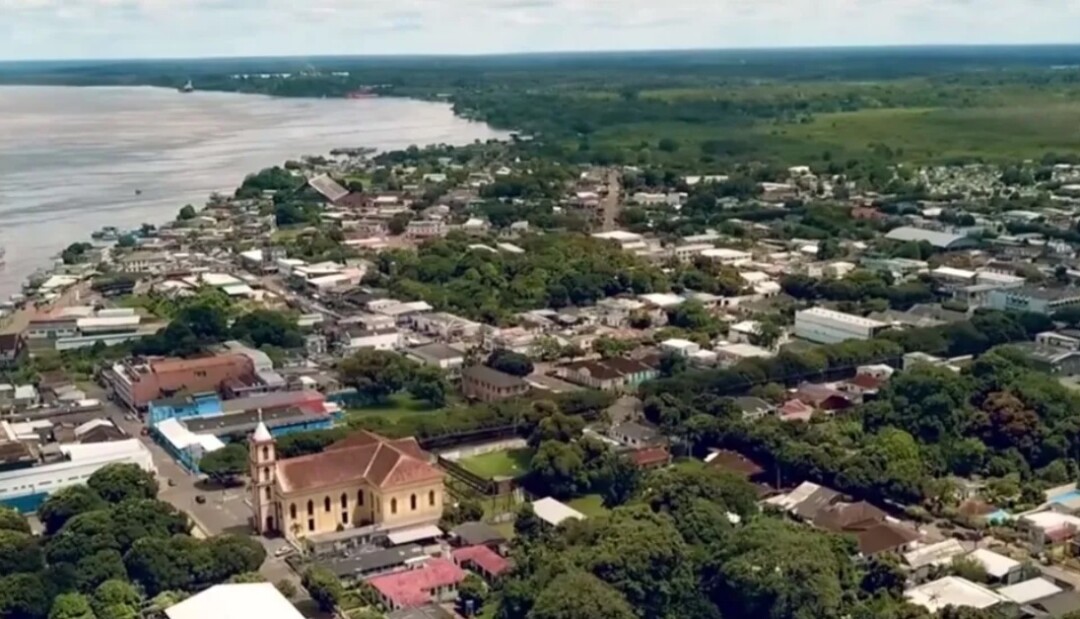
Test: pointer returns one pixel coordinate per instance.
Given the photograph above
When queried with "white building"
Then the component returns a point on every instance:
(25, 489)
(261, 600)
(727, 256)
(953, 591)
(682, 348)
(555, 512)
(826, 326)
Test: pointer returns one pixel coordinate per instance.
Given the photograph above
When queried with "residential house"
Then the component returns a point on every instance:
(482, 560)
(615, 374)
(445, 326)
(636, 435)
(485, 384)
(753, 408)
(823, 397)
(442, 356)
(435, 582)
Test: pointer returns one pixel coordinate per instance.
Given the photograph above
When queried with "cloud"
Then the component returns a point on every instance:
(156, 28)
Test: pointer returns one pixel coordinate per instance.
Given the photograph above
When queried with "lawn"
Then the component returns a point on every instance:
(504, 463)
(396, 408)
(592, 505)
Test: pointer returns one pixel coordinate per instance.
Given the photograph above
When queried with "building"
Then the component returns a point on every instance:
(727, 257)
(485, 384)
(635, 435)
(953, 591)
(614, 374)
(143, 262)
(425, 229)
(1033, 299)
(826, 326)
(939, 240)
(442, 356)
(435, 582)
(377, 339)
(26, 488)
(445, 326)
(137, 382)
(554, 512)
(1050, 359)
(362, 480)
(261, 599)
(482, 560)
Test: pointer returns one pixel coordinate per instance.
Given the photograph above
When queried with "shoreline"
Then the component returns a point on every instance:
(343, 124)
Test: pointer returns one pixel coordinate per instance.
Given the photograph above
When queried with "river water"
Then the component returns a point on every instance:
(71, 159)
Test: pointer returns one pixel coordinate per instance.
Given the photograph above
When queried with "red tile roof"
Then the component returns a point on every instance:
(650, 456)
(363, 456)
(483, 557)
(412, 588)
(867, 382)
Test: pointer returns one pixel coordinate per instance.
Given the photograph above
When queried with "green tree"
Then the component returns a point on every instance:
(71, 606)
(19, 552)
(264, 327)
(11, 520)
(472, 595)
(527, 525)
(427, 383)
(323, 587)
(510, 362)
(226, 464)
(186, 213)
(286, 588)
(618, 480)
(126, 242)
(118, 482)
(375, 374)
(579, 595)
(115, 598)
(558, 469)
(98, 568)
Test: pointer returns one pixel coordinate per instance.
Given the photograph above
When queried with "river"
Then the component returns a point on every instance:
(72, 159)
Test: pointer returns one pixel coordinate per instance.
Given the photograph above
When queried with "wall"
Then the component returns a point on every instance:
(376, 508)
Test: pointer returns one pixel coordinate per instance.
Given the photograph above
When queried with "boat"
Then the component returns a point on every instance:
(188, 87)
(3, 256)
(138, 192)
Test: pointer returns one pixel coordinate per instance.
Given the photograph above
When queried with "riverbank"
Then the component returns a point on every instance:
(81, 158)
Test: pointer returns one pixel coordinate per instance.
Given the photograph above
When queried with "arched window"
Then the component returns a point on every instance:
(268, 493)
(266, 452)
(326, 503)
(292, 511)
(310, 508)
(431, 498)
(344, 501)
(359, 497)
(393, 506)
(412, 502)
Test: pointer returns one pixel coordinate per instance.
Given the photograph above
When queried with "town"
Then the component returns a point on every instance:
(402, 373)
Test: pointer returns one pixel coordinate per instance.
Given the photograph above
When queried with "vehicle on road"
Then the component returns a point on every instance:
(200, 499)
(172, 482)
(281, 552)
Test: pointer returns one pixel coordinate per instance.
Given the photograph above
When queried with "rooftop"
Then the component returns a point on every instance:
(821, 312)
(484, 558)
(363, 455)
(413, 587)
(261, 600)
(942, 240)
(484, 374)
(996, 565)
(952, 591)
(555, 512)
(1030, 590)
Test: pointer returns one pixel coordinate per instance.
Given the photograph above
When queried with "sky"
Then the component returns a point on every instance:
(66, 29)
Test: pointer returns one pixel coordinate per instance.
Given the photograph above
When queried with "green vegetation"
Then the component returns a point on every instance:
(108, 547)
(592, 505)
(502, 463)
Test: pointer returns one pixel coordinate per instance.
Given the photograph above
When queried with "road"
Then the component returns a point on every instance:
(611, 202)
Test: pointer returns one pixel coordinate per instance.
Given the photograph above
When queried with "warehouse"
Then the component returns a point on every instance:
(826, 326)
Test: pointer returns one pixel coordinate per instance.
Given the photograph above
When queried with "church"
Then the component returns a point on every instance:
(364, 479)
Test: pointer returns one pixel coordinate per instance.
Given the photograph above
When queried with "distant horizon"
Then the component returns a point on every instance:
(551, 53)
(193, 29)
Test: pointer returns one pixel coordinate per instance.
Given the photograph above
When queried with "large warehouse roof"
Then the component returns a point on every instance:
(260, 600)
(941, 240)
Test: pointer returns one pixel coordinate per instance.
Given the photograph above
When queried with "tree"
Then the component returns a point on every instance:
(884, 572)
(264, 327)
(617, 479)
(527, 525)
(286, 588)
(71, 606)
(968, 568)
(11, 520)
(323, 587)
(226, 464)
(375, 374)
(99, 568)
(556, 427)
(464, 510)
(186, 213)
(692, 316)
(118, 482)
(579, 595)
(126, 242)
(558, 469)
(510, 362)
(667, 145)
(115, 599)
(19, 552)
(75, 253)
(427, 383)
(608, 347)
(472, 595)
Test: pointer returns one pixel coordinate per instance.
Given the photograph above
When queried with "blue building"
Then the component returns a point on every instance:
(1045, 301)
(182, 407)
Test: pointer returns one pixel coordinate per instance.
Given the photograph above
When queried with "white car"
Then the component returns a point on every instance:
(284, 550)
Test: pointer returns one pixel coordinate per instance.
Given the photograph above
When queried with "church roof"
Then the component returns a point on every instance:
(362, 456)
(262, 433)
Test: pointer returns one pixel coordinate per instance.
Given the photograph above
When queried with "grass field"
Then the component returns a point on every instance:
(592, 505)
(504, 463)
(396, 407)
